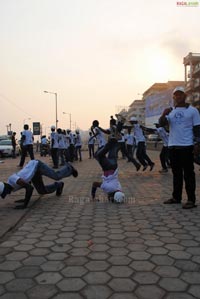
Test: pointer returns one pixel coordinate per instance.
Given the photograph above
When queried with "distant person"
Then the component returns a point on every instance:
(141, 153)
(27, 145)
(91, 142)
(54, 146)
(78, 146)
(14, 143)
(184, 140)
(164, 153)
(32, 173)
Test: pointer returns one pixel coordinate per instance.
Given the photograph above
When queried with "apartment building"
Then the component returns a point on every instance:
(192, 78)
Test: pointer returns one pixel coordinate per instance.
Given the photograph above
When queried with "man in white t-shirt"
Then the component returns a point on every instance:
(32, 173)
(184, 138)
(27, 145)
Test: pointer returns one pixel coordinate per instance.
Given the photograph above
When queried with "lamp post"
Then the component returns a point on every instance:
(70, 119)
(55, 93)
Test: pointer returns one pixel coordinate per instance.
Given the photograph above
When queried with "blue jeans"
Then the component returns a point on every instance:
(44, 169)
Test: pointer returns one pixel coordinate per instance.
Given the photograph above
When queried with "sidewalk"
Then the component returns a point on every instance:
(69, 247)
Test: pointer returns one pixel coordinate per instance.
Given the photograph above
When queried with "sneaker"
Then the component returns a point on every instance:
(145, 167)
(171, 201)
(59, 188)
(138, 167)
(189, 205)
(152, 166)
(163, 170)
(74, 171)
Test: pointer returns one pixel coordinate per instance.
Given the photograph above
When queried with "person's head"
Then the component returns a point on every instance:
(14, 133)
(133, 120)
(179, 96)
(77, 131)
(5, 189)
(90, 133)
(59, 130)
(26, 127)
(95, 123)
(68, 131)
(53, 128)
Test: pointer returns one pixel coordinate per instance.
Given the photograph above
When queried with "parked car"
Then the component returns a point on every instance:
(6, 148)
(153, 137)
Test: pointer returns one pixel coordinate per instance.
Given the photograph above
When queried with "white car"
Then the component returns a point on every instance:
(6, 148)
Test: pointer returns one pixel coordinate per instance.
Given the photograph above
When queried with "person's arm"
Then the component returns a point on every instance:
(163, 120)
(148, 130)
(196, 132)
(28, 192)
(107, 131)
(95, 185)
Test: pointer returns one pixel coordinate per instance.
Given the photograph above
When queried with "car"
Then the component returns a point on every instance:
(6, 148)
(153, 137)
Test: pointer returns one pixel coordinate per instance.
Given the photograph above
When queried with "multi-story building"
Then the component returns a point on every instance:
(157, 98)
(192, 78)
(137, 109)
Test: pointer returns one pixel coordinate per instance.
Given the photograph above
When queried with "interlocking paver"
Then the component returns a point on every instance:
(73, 248)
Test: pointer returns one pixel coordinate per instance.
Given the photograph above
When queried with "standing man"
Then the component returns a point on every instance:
(27, 145)
(54, 146)
(184, 139)
(91, 142)
(13, 139)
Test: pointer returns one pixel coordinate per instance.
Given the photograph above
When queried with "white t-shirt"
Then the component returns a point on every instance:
(54, 139)
(138, 133)
(111, 183)
(26, 174)
(163, 135)
(130, 139)
(181, 122)
(28, 137)
(100, 137)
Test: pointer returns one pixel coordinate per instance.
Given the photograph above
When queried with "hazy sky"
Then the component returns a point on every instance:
(96, 54)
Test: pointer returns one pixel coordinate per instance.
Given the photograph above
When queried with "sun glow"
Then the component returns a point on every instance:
(159, 65)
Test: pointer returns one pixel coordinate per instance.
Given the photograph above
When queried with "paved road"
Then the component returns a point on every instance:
(69, 247)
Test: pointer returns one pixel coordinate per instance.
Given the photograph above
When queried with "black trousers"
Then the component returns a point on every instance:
(183, 169)
(26, 149)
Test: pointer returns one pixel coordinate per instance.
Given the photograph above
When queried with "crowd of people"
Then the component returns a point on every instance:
(178, 127)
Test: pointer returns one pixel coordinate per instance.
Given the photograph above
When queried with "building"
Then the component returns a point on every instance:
(157, 98)
(192, 78)
(137, 109)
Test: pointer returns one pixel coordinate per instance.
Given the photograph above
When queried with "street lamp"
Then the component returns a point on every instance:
(55, 93)
(70, 119)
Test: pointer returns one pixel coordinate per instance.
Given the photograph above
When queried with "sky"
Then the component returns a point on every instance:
(97, 55)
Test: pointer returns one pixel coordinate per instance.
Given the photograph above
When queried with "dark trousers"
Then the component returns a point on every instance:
(183, 168)
(129, 155)
(164, 157)
(91, 150)
(54, 155)
(141, 154)
(26, 149)
(108, 162)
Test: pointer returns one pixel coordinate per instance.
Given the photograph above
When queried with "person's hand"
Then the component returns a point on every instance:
(167, 111)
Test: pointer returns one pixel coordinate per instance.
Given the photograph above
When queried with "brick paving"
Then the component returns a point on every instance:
(70, 247)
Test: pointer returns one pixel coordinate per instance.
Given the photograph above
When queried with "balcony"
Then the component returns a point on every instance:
(196, 85)
(196, 72)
